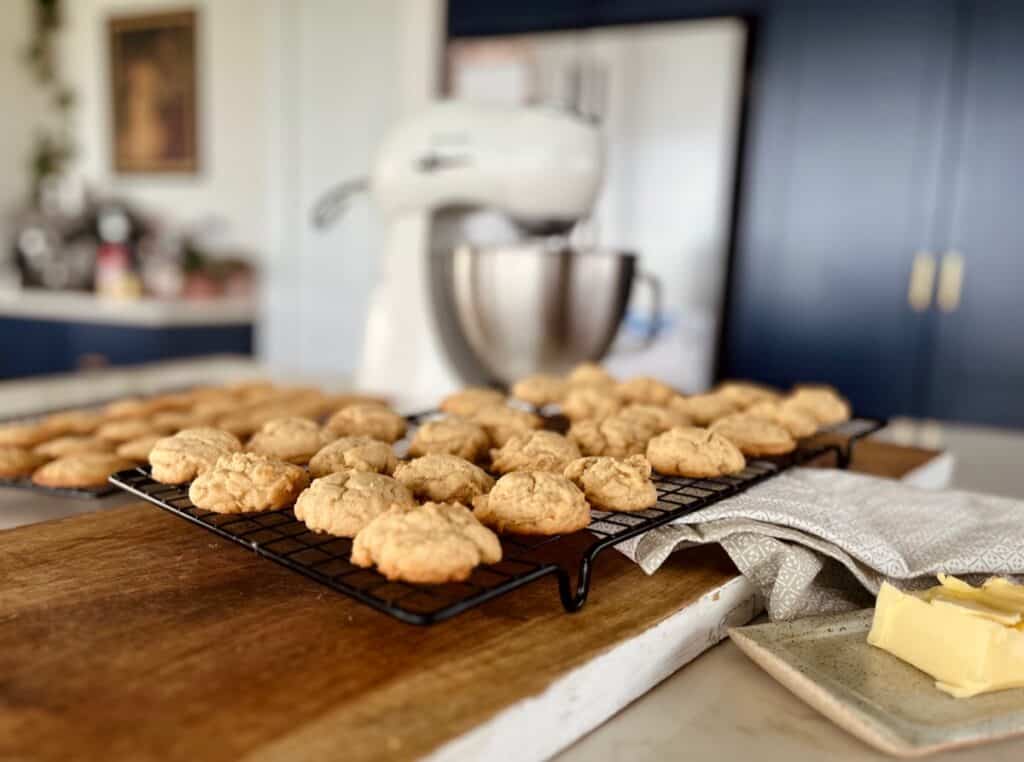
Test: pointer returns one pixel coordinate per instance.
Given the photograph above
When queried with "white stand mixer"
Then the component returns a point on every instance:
(463, 174)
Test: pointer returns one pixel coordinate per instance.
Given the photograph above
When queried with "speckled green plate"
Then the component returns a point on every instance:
(827, 662)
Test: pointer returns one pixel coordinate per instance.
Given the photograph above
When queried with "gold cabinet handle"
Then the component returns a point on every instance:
(951, 282)
(922, 281)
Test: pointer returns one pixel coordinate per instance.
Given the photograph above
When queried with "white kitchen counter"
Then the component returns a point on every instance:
(81, 307)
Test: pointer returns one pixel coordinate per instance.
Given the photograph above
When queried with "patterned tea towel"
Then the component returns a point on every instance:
(819, 541)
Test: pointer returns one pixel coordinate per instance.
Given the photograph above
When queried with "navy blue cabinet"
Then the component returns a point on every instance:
(976, 349)
(842, 168)
(33, 347)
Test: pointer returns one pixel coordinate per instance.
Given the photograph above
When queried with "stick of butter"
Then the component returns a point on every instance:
(971, 640)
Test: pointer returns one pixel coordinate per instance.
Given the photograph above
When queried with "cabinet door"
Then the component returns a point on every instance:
(978, 349)
(841, 170)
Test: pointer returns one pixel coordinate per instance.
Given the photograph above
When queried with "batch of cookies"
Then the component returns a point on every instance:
(484, 467)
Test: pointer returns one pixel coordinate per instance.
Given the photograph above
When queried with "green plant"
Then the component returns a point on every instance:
(54, 146)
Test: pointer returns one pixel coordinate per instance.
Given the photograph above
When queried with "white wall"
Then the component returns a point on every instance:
(347, 71)
(21, 109)
(235, 103)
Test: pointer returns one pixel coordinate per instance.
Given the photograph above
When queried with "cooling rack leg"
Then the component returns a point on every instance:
(573, 601)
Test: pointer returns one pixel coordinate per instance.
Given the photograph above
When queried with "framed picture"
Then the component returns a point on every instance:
(153, 88)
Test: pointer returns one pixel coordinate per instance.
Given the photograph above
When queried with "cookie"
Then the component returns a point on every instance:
(343, 503)
(645, 390)
(432, 544)
(502, 422)
(140, 448)
(17, 462)
(81, 471)
(244, 482)
(294, 440)
(353, 454)
(451, 436)
(23, 434)
(72, 422)
(794, 419)
(443, 478)
(73, 444)
(653, 418)
(123, 429)
(590, 402)
(176, 420)
(189, 453)
(467, 401)
(534, 503)
(244, 423)
(541, 389)
(824, 403)
(613, 436)
(590, 374)
(614, 484)
(371, 420)
(694, 452)
(746, 393)
(534, 451)
(133, 407)
(703, 409)
(755, 437)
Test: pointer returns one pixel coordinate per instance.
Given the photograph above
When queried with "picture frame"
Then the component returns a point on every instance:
(153, 93)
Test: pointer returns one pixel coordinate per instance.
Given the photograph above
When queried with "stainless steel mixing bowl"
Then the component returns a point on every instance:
(534, 306)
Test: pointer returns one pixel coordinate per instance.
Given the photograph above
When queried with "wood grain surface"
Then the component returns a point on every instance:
(129, 634)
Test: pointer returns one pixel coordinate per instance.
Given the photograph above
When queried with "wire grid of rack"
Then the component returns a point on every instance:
(280, 537)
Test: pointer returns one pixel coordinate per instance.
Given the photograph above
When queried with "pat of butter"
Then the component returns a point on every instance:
(969, 639)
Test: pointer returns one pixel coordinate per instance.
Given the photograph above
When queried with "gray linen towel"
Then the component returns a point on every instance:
(818, 541)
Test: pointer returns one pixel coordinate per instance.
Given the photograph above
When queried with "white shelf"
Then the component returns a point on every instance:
(78, 307)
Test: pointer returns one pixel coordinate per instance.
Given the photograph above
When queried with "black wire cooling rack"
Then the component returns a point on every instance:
(280, 537)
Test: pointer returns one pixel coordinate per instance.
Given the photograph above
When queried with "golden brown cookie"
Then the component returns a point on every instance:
(17, 462)
(590, 403)
(343, 503)
(652, 417)
(443, 478)
(23, 434)
(533, 502)
(80, 471)
(133, 407)
(139, 449)
(502, 422)
(614, 484)
(354, 454)
(614, 436)
(73, 444)
(72, 422)
(703, 409)
(243, 482)
(590, 374)
(432, 544)
(176, 420)
(755, 437)
(645, 390)
(189, 453)
(823, 402)
(541, 389)
(794, 419)
(467, 401)
(365, 420)
(452, 436)
(534, 451)
(746, 393)
(294, 440)
(123, 429)
(694, 452)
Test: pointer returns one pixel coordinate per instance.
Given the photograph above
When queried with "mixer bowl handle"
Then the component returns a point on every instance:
(654, 324)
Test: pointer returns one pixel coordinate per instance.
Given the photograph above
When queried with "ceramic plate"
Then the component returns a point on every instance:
(827, 662)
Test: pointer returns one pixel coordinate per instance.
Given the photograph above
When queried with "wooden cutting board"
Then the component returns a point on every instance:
(130, 634)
